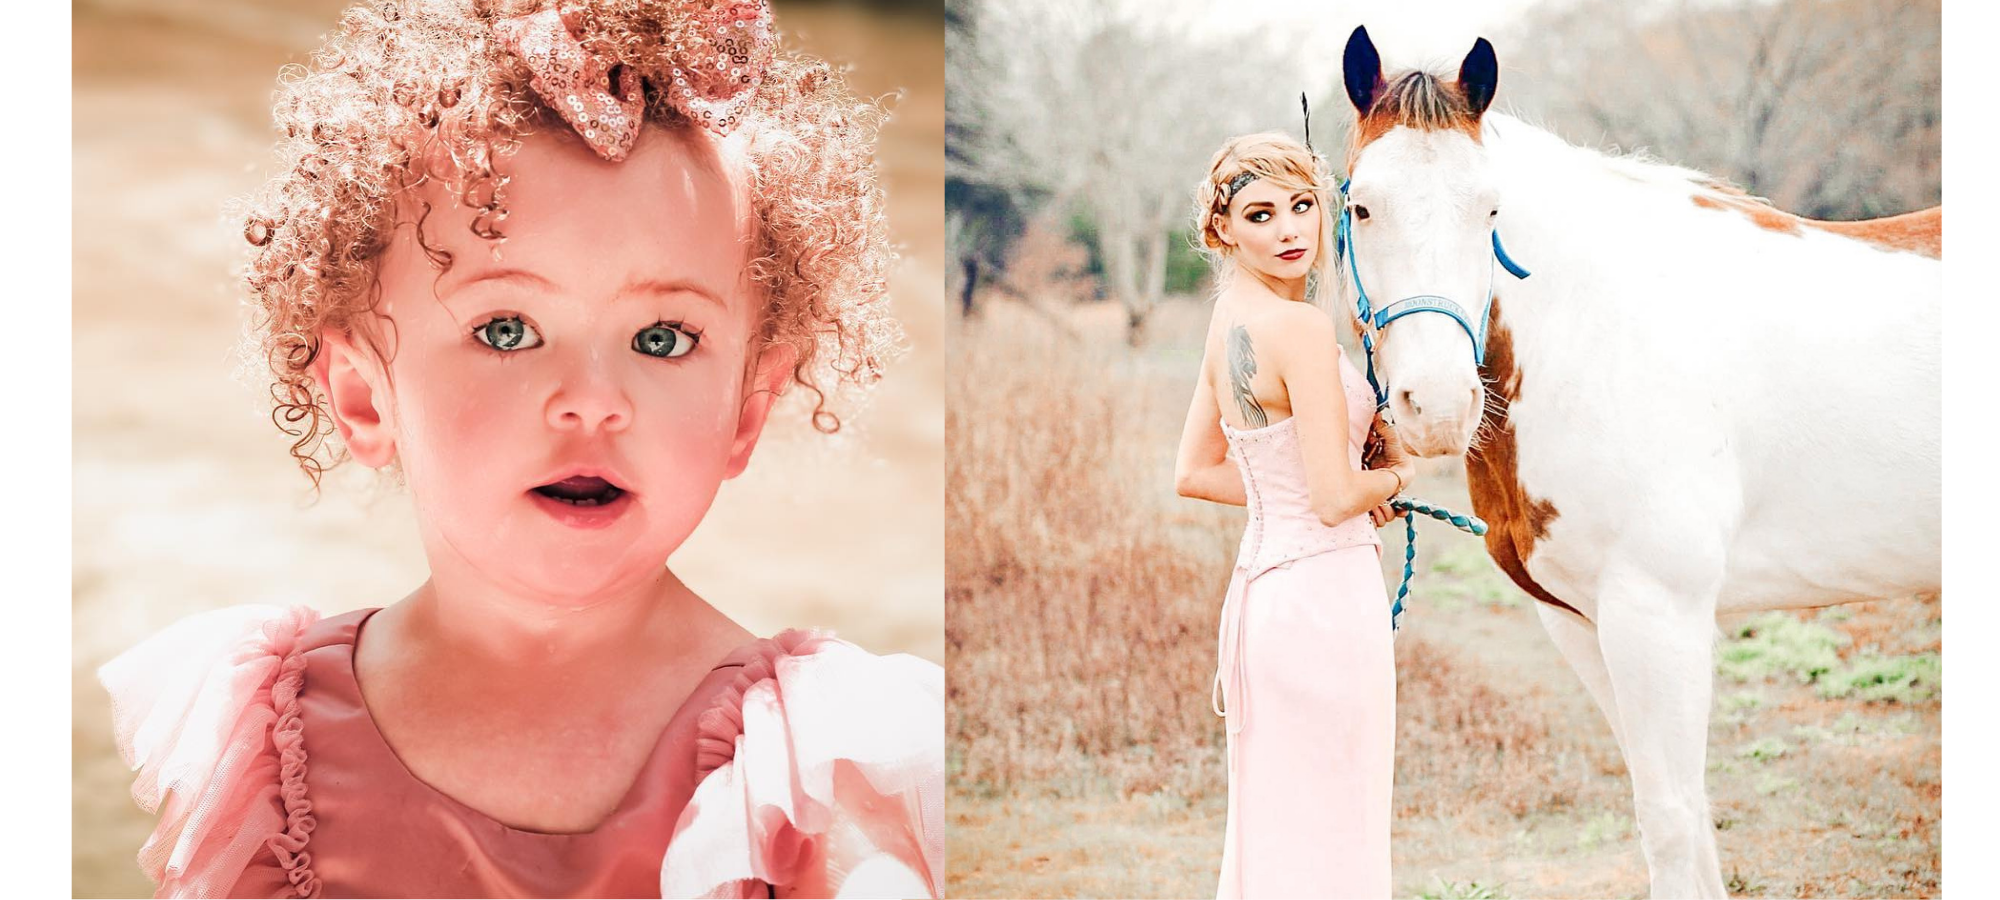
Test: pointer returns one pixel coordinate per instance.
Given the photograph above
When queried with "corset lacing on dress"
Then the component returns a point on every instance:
(1282, 526)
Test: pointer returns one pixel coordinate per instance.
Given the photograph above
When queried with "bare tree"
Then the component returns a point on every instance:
(1828, 107)
(984, 210)
(1111, 109)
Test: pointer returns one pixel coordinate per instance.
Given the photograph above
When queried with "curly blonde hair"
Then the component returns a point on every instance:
(1269, 156)
(401, 86)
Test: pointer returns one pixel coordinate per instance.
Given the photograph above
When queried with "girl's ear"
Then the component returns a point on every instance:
(357, 390)
(1222, 229)
(774, 365)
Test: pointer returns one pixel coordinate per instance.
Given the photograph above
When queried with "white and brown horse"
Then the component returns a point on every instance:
(1698, 404)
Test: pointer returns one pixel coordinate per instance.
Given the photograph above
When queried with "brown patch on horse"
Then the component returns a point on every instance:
(1417, 100)
(1514, 520)
(1919, 232)
(1760, 213)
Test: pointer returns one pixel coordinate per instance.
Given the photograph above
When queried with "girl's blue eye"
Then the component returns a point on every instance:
(1302, 206)
(506, 333)
(665, 340)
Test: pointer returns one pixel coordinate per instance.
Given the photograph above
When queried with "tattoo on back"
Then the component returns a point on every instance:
(1243, 367)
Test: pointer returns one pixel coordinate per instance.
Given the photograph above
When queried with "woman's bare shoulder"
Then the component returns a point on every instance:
(1292, 328)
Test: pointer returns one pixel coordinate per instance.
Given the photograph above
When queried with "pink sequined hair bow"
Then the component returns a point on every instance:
(718, 55)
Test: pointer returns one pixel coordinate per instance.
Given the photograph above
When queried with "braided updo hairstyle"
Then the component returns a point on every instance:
(1269, 156)
(420, 90)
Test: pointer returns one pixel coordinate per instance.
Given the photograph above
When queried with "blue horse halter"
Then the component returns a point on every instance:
(1378, 319)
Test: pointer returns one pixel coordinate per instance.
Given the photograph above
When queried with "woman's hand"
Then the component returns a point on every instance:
(1384, 450)
(1384, 514)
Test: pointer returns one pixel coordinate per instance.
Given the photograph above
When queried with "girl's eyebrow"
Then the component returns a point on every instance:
(641, 286)
(504, 274)
(673, 286)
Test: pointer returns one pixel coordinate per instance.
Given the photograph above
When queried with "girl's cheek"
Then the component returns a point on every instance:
(699, 406)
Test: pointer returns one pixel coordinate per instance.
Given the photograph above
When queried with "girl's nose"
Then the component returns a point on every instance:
(589, 399)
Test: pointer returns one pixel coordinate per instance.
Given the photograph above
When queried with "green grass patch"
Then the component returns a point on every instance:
(1467, 574)
(1601, 828)
(1741, 886)
(1461, 890)
(1852, 725)
(1769, 784)
(1463, 559)
(1741, 702)
(1503, 595)
(1777, 643)
(1872, 677)
(1765, 750)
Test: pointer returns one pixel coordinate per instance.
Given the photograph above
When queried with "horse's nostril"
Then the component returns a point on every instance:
(1410, 401)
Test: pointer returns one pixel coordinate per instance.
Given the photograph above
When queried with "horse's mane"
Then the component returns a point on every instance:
(1642, 167)
(1428, 102)
(1416, 99)
(1422, 101)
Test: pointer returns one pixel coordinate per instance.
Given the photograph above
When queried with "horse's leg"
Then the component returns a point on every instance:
(1576, 639)
(1658, 647)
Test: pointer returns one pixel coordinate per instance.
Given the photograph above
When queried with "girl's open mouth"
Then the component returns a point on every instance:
(582, 502)
(582, 491)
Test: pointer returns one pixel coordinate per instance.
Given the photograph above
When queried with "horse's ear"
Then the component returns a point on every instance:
(1361, 66)
(1479, 77)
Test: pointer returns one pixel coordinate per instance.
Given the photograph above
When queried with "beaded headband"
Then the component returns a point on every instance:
(718, 54)
(1235, 184)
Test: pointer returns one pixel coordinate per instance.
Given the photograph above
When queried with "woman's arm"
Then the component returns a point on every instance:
(1202, 469)
(1307, 357)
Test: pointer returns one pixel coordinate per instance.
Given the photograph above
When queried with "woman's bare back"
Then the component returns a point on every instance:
(1239, 361)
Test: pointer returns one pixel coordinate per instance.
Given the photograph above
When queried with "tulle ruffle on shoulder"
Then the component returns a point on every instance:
(822, 774)
(207, 712)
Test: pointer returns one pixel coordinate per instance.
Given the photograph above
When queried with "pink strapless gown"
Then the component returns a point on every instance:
(1308, 680)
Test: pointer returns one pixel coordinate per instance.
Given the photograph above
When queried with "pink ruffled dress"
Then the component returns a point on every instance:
(801, 766)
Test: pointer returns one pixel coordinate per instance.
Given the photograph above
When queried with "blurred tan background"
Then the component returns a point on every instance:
(185, 498)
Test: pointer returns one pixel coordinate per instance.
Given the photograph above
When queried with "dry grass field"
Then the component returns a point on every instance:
(1082, 603)
(185, 499)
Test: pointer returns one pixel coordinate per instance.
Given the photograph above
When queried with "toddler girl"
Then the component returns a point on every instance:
(551, 265)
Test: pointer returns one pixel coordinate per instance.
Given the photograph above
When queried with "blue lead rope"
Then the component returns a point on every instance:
(1471, 524)
(1380, 319)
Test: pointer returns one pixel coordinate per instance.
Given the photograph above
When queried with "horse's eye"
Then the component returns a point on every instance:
(1361, 212)
(1494, 213)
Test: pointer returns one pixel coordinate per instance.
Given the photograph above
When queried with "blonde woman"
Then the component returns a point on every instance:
(1306, 679)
